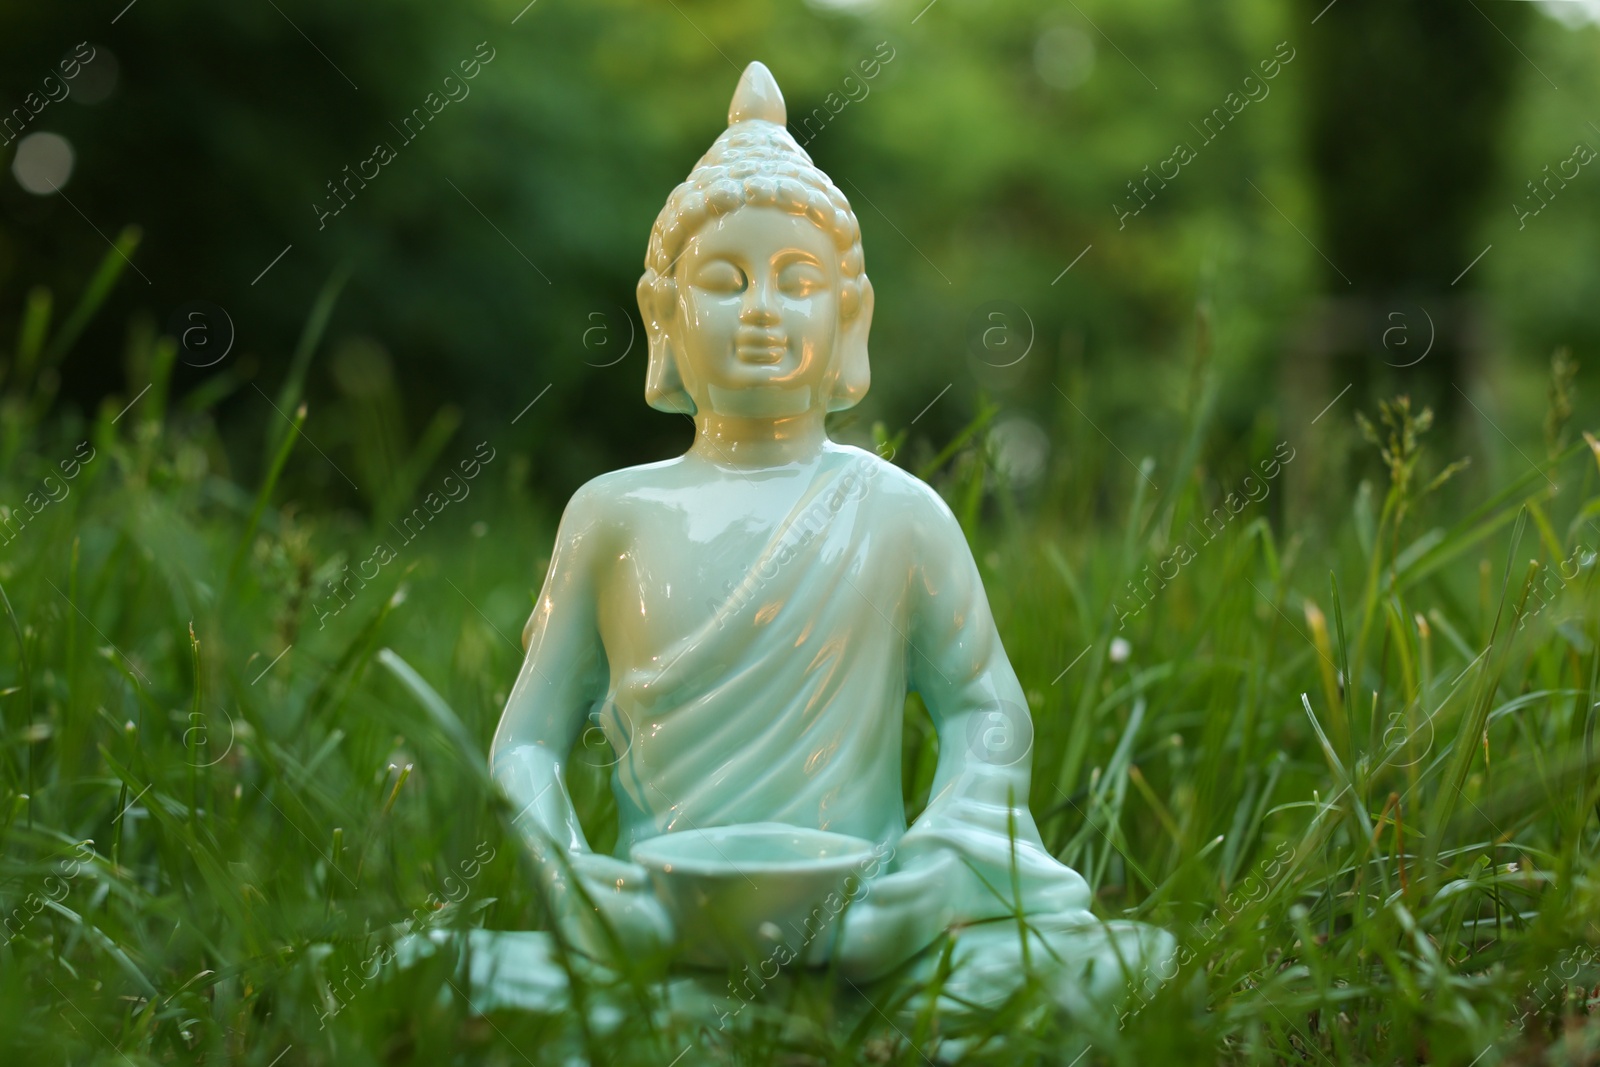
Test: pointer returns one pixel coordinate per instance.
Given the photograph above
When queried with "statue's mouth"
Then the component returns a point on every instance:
(763, 348)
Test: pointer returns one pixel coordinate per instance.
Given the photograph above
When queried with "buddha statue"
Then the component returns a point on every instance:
(745, 621)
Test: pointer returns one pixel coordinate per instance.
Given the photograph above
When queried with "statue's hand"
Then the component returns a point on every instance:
(622, 914)
(897, 916)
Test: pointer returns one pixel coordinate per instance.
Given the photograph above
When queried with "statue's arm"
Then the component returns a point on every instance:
(562, 675)
(955, 863)
(959, 666)
(978, 807)
(601, 904)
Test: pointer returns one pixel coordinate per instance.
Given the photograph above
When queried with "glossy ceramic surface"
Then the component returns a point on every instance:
(755, 891)
(744, 622)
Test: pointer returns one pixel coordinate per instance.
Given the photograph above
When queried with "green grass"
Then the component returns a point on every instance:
(1400, 870)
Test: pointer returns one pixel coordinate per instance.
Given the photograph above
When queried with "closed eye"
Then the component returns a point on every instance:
(720, 276)
(801, 279)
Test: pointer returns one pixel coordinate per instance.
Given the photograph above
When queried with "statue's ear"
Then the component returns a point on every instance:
(855, 374)
(663, 385)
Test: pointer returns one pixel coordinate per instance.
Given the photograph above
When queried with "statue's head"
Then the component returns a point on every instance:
(754, 295)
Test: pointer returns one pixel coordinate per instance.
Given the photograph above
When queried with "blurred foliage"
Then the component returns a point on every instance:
(1404, 123)
(1036, 339)
(1386, 672)
(497, 253)
(1348, 761)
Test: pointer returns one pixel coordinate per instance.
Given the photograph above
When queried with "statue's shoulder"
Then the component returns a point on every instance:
(620, 495)
(918, 500)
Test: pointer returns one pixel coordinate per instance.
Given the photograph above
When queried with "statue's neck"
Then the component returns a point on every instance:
(737, 441)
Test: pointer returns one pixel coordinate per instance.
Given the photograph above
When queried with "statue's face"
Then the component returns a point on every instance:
(758, 314)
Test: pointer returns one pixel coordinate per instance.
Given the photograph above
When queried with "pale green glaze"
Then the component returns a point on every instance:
(744, 623)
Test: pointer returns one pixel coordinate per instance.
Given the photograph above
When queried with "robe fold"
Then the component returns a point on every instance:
(786, 704)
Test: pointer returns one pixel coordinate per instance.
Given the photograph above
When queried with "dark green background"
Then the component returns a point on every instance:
(1385, 158)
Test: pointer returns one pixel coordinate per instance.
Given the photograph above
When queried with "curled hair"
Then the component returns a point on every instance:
(754, 162)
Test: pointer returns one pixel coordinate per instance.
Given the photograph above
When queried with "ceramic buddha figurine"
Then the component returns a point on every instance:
(746, 620)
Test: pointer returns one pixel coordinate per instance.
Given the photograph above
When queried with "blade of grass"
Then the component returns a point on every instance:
(442, 715)
(27, 693)
(289, 397)
(95, 293)
(1350, 687)
(1465, 744)
(30, 335)
(264, 495)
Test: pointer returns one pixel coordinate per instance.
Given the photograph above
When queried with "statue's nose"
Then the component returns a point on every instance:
(760, 309)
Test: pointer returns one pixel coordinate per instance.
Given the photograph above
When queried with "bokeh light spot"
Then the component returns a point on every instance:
(43, 163)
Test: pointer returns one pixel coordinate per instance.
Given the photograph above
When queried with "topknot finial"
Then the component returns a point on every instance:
(757, 97)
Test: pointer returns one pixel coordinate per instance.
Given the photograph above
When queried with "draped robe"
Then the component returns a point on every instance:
(784, 703)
